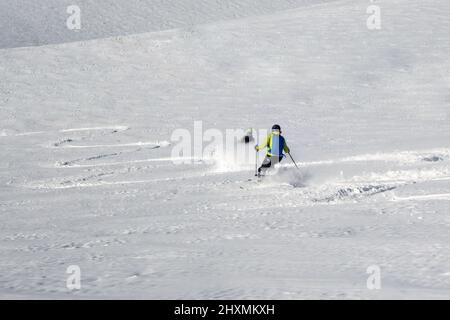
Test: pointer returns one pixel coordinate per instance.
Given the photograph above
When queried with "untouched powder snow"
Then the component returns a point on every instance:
(34, 23)
(88, 178)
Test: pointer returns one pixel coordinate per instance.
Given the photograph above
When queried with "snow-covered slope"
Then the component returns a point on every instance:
(87, 178)
(33, 23)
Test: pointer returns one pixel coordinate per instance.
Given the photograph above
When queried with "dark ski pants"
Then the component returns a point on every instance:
(269, 162)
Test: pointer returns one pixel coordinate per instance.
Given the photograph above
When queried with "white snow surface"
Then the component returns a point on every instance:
(87, 176)
(33, 23)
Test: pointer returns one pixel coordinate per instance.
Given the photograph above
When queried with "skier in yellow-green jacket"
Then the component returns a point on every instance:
(275, 144)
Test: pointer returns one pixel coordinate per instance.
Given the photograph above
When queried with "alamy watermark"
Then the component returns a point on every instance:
(73, 22)
(199, 145)
(73, 281)
(374, 279)
(374, 20)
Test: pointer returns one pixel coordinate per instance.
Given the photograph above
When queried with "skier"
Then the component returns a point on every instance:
(275, 144)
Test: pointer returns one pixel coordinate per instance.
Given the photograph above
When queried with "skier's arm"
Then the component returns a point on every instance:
(286, 148)
(263, 145)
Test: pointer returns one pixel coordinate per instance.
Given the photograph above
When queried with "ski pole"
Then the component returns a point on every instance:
(256, 163)
(256, 156)
(293, 161)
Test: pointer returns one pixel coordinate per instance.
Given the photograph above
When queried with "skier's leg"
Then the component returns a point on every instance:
(274, 160)
(265, 165)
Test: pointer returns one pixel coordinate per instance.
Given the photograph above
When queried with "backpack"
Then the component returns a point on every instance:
(276, 145)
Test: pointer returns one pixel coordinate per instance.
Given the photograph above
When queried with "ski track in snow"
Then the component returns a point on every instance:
(432, 155)
(155, 144)
(118, 128)
(6, 133)
(442, 196)
(120, 163)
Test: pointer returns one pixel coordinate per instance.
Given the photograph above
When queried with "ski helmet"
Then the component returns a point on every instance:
(276, 127)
